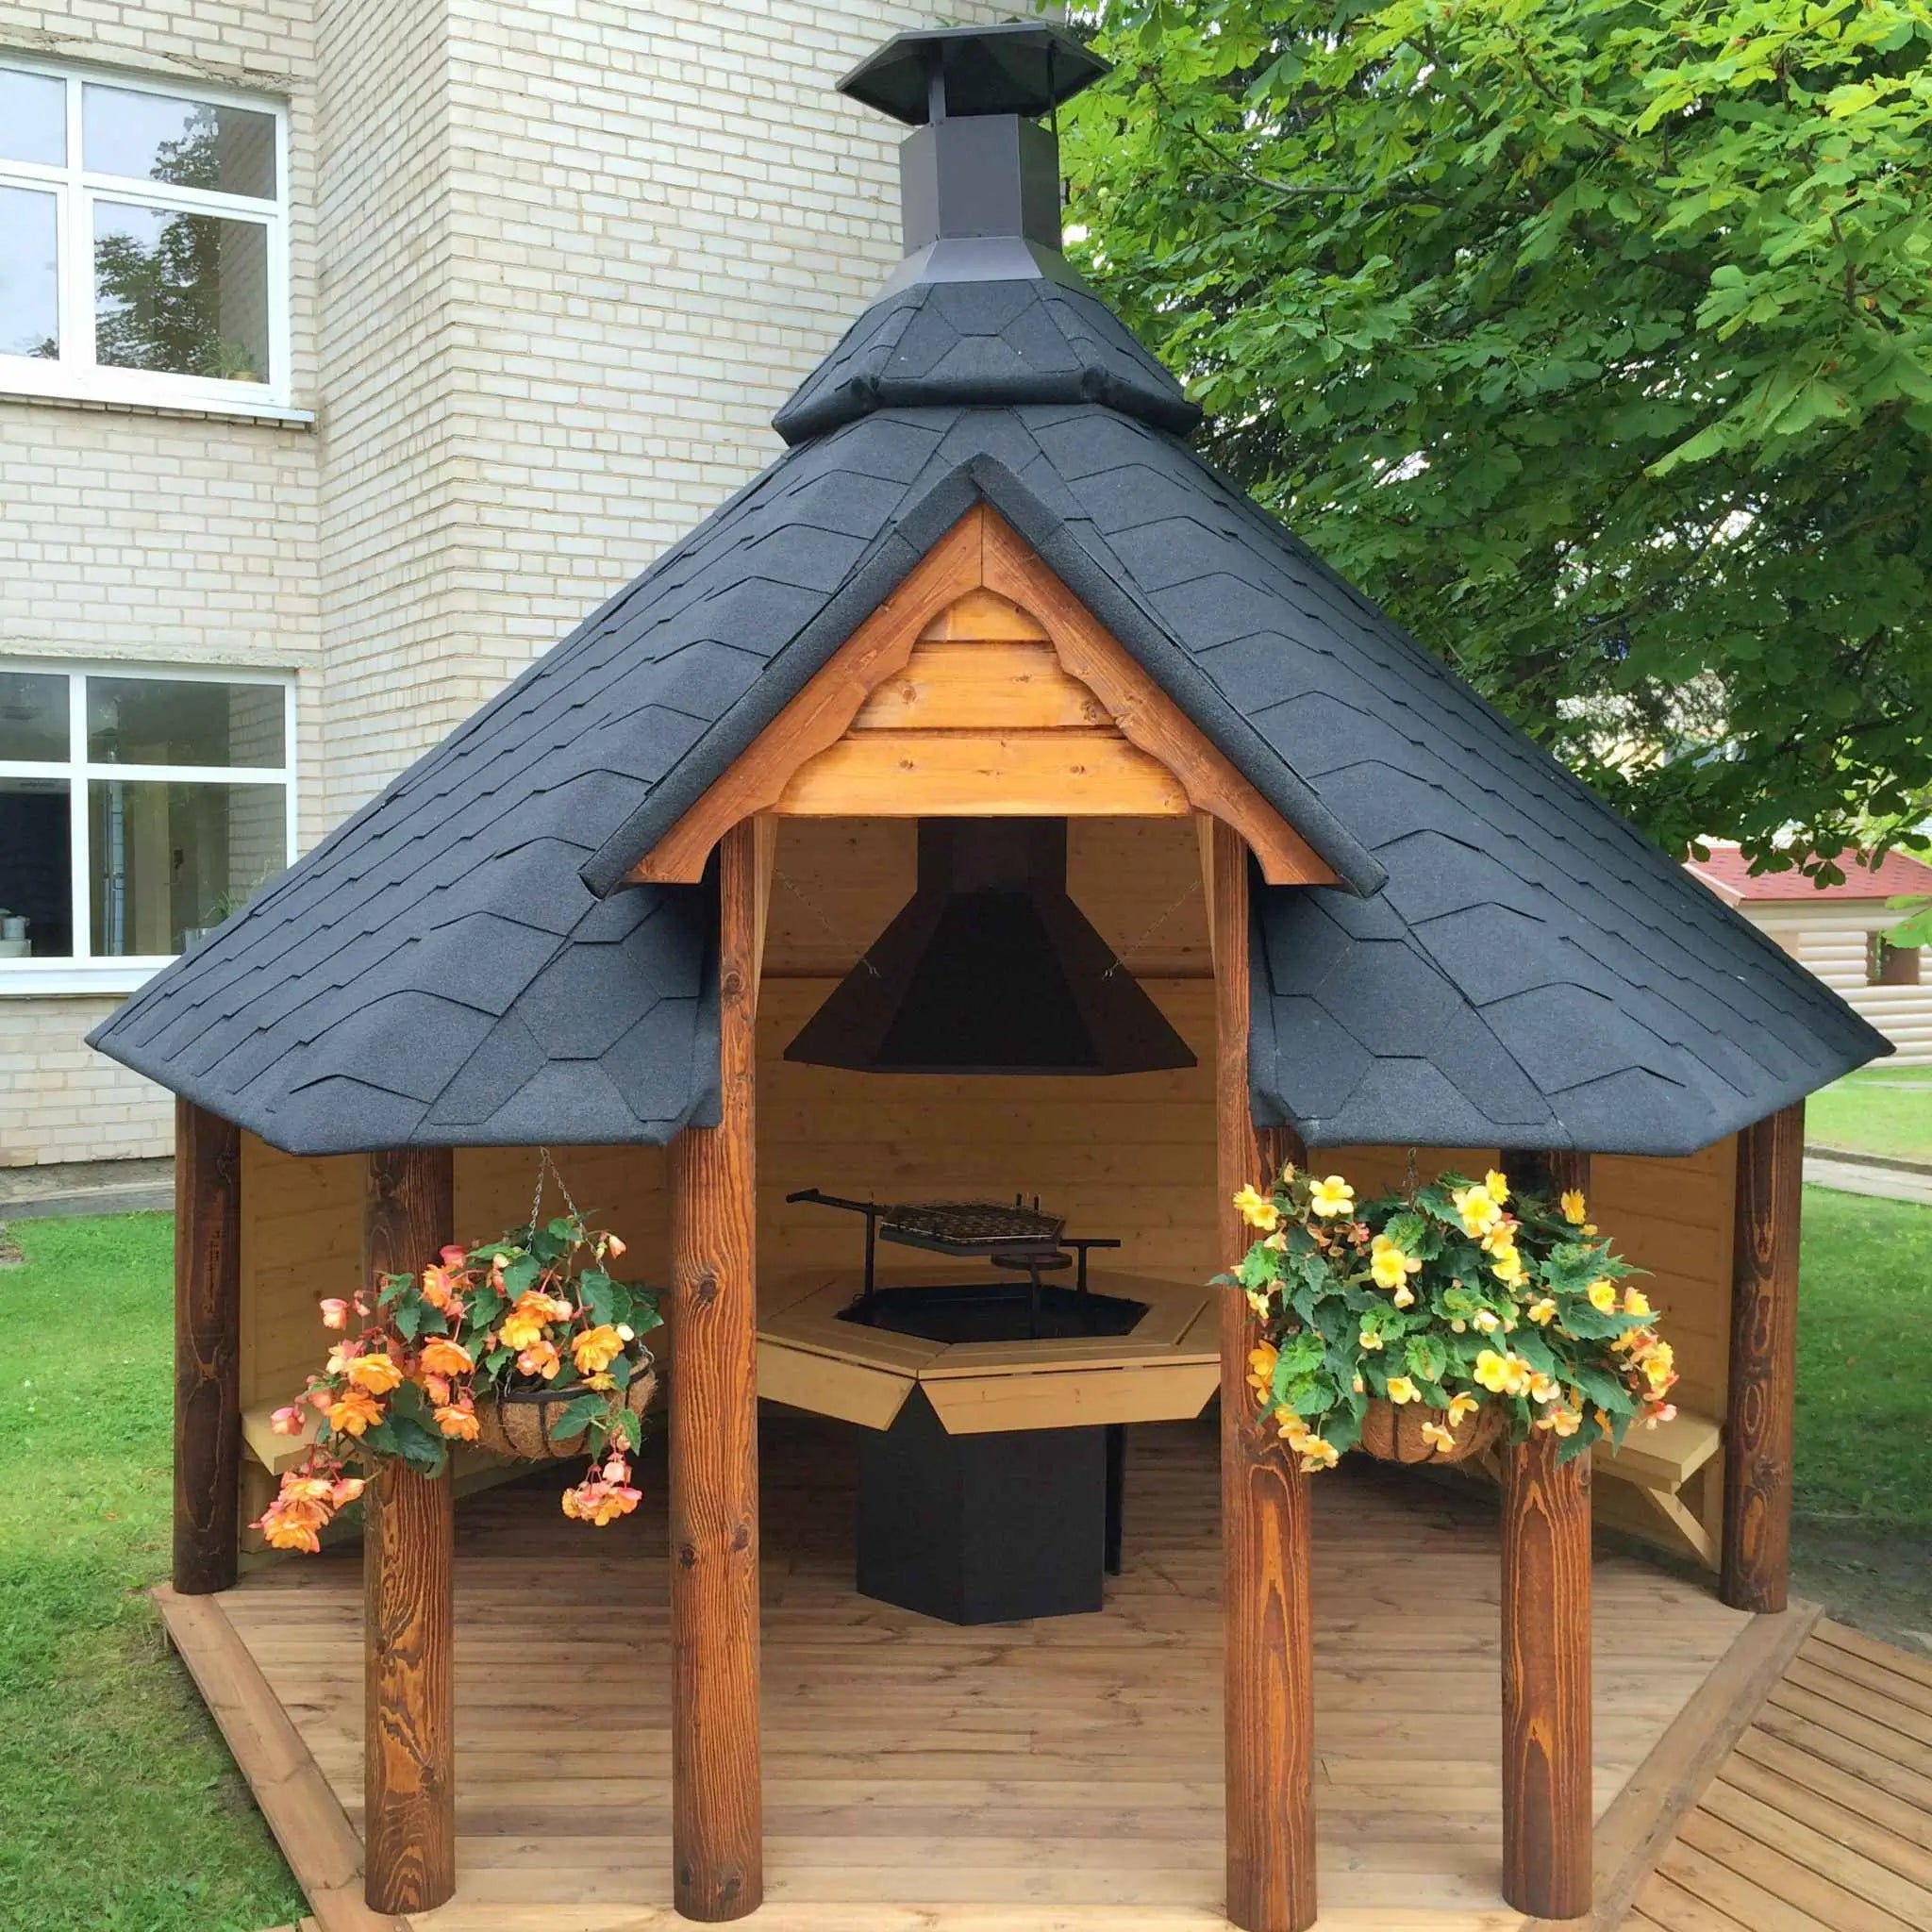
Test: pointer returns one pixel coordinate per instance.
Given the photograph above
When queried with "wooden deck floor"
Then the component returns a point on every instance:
(1017, 1778)
(1820, 1817)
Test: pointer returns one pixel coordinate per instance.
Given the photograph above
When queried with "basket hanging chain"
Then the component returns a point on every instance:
(831, 931)
(547, 1169)
(1134, 946)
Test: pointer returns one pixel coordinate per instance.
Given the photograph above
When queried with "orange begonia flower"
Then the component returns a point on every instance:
(375, 1373)
(595, 1349)
(541, 1359)
(335, 1312)
(460, 1424)
(356, 1411)
(443, 1357)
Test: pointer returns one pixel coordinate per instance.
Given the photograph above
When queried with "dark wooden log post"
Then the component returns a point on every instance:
(1265, 1512)
(207, 1349)
(1756, 1552)
(716, 1807)
(408, 1613)
(1547, 1808)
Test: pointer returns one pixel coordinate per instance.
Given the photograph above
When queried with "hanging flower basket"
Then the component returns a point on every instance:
(535, 1423)
(1395, 1432)
(526, 1346)
(1427, 1324)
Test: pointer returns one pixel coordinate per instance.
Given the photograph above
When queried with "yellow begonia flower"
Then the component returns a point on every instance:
(1603, 1295)
(1292, 1430)
(1371, 1338)
(1461, 1406)
(1574, 1212)
(1403, 1297)
(595, 1349)
(1496, 1185)
(1566, 1422)
(1261, 1362)
(1331, 1198)
(1402, 1390)
(1480, 1208)
(1257, 1211)
(1316, 1453)
(1544, 1388)
(1542, 1312)
(1487, 1320)
(1506, 1374)
(1287, 1173)
(1437, 1437)
(1636, 1302)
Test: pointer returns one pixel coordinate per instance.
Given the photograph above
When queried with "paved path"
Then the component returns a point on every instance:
(1855, 1177)
(86, 1186)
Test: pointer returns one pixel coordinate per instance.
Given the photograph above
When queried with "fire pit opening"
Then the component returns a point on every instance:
(996, 1310)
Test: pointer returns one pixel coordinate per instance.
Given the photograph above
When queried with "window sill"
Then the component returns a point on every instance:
(68, 978)
(271, 415)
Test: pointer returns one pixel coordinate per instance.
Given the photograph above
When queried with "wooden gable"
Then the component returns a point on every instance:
(982, 687)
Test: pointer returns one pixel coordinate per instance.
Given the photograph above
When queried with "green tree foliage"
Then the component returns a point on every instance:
(1593, 339)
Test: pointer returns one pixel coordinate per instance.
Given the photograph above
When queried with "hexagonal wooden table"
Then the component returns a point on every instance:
(989, 1486)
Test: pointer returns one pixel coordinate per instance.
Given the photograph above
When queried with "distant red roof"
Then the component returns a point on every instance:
(1728, 873)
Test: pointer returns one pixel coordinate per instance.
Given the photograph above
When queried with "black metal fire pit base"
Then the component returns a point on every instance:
(983, 1529)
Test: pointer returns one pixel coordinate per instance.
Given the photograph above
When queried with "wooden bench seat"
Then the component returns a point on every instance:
(1663, 1462)
(1659, 1466)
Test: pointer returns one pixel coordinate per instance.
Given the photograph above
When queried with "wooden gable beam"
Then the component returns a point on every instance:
(991, 724)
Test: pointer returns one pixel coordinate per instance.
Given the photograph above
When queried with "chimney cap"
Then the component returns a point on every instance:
(1023, 67)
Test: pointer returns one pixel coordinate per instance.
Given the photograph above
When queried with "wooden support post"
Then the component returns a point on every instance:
(1757, 1546)
(1265, 1513)
(1547, 1807)
(408, 1613)
(207, 1349)
(716, 1807)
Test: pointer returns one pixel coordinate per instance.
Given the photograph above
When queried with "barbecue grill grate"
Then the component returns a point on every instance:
(975, 1223)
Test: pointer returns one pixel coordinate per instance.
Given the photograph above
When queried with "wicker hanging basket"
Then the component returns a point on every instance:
(523, 1422)
(1392, 1432)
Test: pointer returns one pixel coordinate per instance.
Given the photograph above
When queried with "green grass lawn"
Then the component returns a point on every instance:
(119, 1809)
(1875, 1111)
(1864, 1425)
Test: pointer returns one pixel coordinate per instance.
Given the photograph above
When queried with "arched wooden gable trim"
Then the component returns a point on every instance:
(982, 687)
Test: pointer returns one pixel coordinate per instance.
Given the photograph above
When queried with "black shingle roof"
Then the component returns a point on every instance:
(1507, 963)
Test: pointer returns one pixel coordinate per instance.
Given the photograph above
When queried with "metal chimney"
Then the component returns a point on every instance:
(979, 179)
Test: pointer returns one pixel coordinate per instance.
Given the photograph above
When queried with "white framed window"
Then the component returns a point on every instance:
(138, 808)
(143, 241)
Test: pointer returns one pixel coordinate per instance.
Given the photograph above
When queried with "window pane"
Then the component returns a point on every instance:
(170, 861)
(181, 293)
(33, 117)
(192, 143)
(29, 278)
(36, 905)
(155, 721)
(33, 715)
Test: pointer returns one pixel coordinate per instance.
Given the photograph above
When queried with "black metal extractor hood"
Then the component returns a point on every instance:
(991, 968)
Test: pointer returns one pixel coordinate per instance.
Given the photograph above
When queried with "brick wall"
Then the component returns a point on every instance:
(555, 263)
(649, 222)
(155, 537)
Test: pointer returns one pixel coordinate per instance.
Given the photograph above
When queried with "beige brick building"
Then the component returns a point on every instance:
(350, 351)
